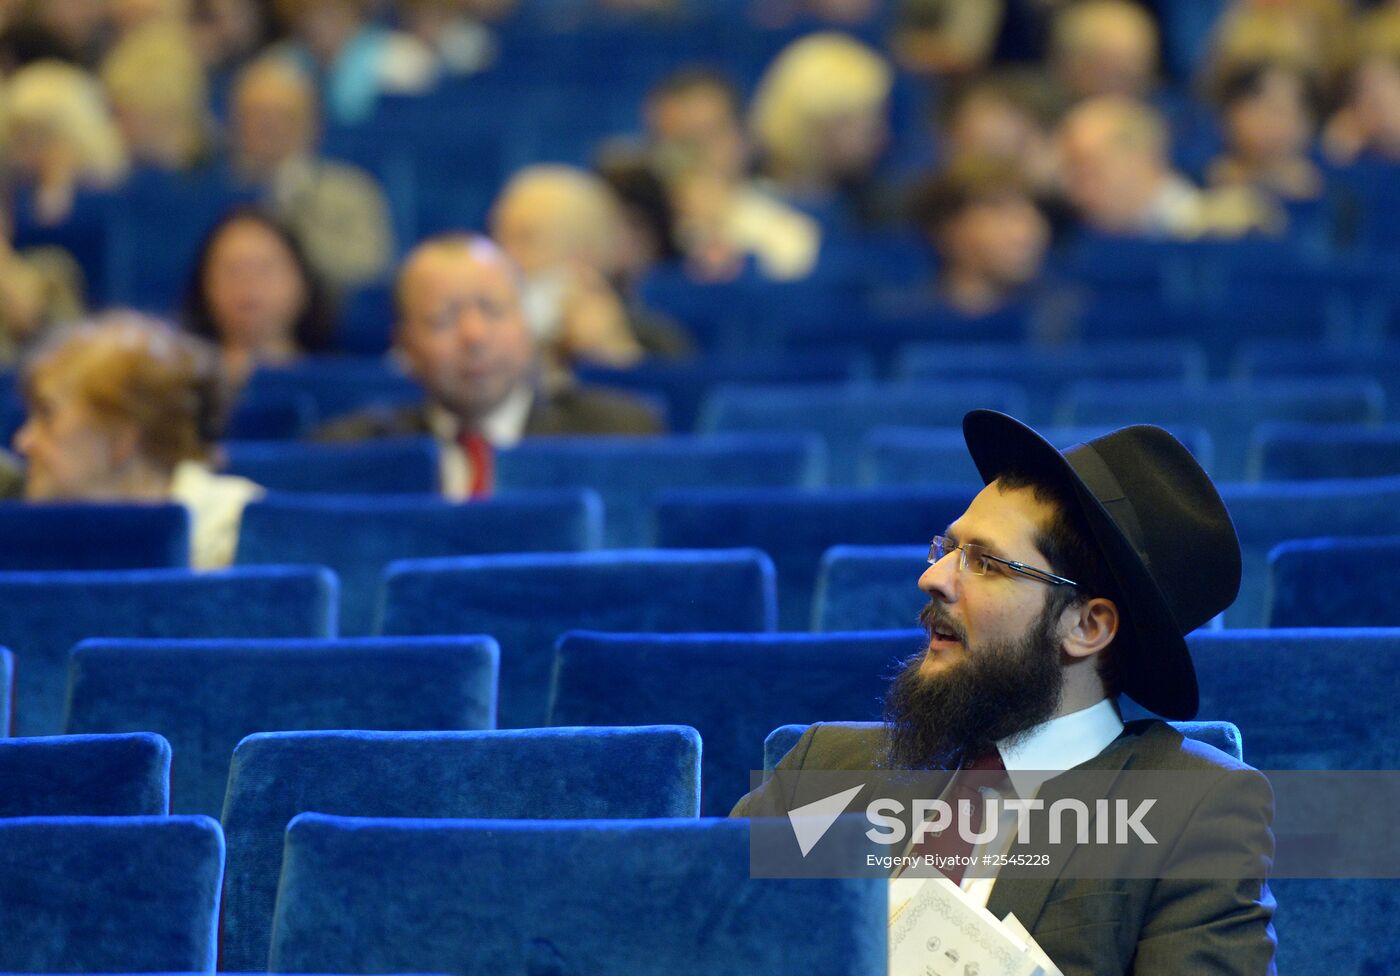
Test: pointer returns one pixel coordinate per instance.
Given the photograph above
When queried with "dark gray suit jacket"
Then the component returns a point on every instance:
(1168, 925)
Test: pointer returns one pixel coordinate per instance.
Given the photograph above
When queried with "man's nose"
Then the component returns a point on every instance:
(471, 324)
(940, 580)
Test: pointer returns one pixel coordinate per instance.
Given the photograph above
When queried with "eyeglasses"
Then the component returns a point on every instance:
(975, 559)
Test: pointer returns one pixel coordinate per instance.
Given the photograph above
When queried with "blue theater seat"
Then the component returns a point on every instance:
(527, 601)
(206, 696)
(631, 472)
(869, 588)
(796, 528)
(358, 536)
(626, 899)
(1335, 583)
(47, 613)
(109, 894)
(558, 773)
(85, 776)
(1273, 512)
(407, 465)
(336, 384)
(93, 536)
(1310, 452)
(843, 414)
(1280, 359)
(731, 687)
(278, 415)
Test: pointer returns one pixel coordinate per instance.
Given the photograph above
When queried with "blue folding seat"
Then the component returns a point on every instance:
(85, 776)
(206, 696)
(390, 895)
(1335, 583)
(522, 774)
(1046, 371)
(407, 465)
(1228, 410)
(527, 601)
(631, 472)
(1268, 513)
(336, 384)
(45, 614)
(109, 894)
(843, 414)
(68, 535)
(796, 528)
(358, 536)
(279, 415)
(732, 688)
(1309, 452)
(1282, 359)
(891, 456)
(7, 688)
(869, 588)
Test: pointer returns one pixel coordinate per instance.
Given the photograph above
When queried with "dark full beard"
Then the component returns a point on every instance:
(997, 691)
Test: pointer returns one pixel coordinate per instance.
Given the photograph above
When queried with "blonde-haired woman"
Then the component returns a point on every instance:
(124, 408)
(59, 136)
(158, 91)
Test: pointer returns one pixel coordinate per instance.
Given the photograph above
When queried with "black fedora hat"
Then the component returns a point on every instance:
(1162, 530)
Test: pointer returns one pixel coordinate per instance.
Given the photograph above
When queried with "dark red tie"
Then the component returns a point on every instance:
(950, 842)
(481, 458)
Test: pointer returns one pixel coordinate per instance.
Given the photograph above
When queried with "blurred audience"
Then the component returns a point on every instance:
(39, 287)
(156, 85)
(1366, 124)
(1104, 47)
(459, 33)
(253, 293)
(336, 210)
(462, 332)
(1268, 117)
(125, 409)
(948, 38)
(1009, 116)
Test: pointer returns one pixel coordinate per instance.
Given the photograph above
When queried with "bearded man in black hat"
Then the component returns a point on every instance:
(1071, 579)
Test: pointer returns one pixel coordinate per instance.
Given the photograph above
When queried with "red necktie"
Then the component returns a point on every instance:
(950, 842)
(481, 458)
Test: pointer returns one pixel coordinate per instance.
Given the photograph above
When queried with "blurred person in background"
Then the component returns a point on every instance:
(79, 25)
(254, 294)
(695, 125)
(59, 136)
(158, 92)
(352, 59)
(1104, 47)
(127, 17)
(337, 211)
(946, 38)
(39, 288)
(1365, 124)
(125, 409)
(227, 34)
(1118, 179)
(459, 33)
(462, 333)
(1008, 116)
(1269, 117)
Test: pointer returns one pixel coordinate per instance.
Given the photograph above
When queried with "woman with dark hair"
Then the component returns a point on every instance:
(254, 294)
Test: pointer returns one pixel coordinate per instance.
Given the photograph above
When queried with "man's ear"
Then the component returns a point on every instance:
(1089, 627)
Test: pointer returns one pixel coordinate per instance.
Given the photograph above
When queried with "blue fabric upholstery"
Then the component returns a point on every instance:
(336, 384)
(527, 601)
(109, 894)
(1269, 513)
(623, 898)
(1308, 452)
(376, 467)
(1228, 410)
(85, 776)
(7, 688)
(1335, 583)
(206, 696)
(733, 688)
(358, 537)
(47, 613)
(630, 472)
(869, 588)
(797, 528)
(894, 456)
(571, 773)
(1224, 736)
(1280, 358)
(271, 416)
(1045, 372)
(82, 536)
(843, 414)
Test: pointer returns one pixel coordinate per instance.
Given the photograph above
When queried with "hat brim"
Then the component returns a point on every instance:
(1156, 671)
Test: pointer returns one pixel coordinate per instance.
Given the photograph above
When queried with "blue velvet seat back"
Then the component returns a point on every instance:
(1228, 410)
(7, 688)
(49, 536)
(1224, 736)
(336, 384)
(571, 773)
(733, 688)
(358, 537)
(1335, 583)
(206, 696)
(85, 776)
(42, 615)
(1309, 452)
(527, 601)
(630, 472)
(869, 588)
(1269, 513)
(109, 894)
(400, 465)
(842, 414)
(676, 898)
(797, 528)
